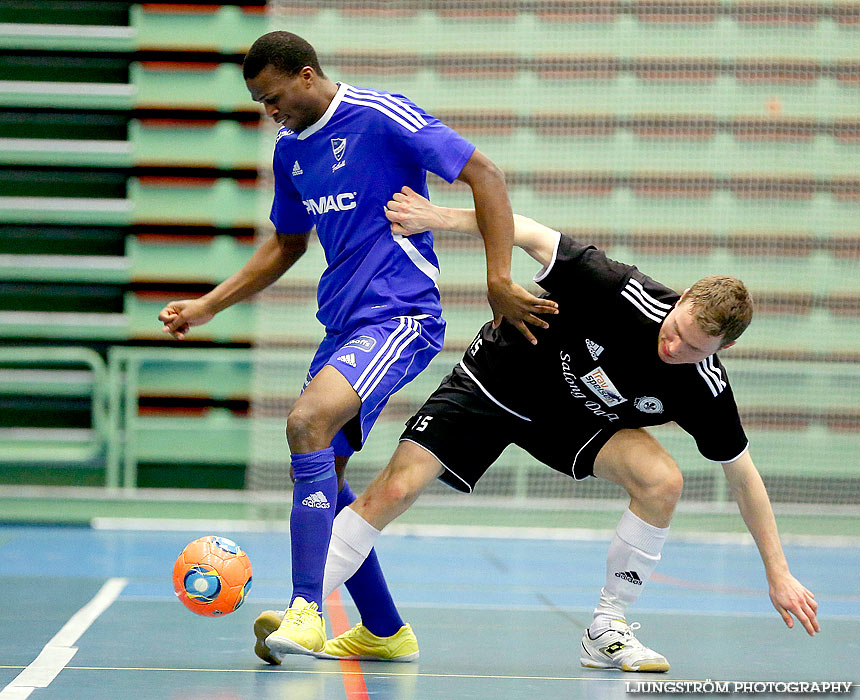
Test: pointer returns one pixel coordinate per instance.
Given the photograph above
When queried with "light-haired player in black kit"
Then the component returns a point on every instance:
(624, 353)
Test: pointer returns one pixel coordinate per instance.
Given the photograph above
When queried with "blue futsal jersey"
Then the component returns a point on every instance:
(338, 175)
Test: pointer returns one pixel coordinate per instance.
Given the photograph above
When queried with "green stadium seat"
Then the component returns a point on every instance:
(218, 202)
(180, 86)
(186, 259)
(79, 95)
(218, 437)
(65, 210)
(40, 448)
(65, 152)
(68, 326)
(221, 144)
(103, 269)
(206, 27)
(35, 34)
(59, 12)
(216, 380)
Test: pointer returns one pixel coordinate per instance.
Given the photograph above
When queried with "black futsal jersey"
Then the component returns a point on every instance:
(596, 368)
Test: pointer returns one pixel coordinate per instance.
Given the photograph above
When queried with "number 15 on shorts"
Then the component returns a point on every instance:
(421, 423)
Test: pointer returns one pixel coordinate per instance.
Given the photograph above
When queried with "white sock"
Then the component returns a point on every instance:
(633, 556)
(352, 538)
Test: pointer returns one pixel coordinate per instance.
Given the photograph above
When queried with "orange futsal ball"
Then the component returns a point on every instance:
(212, 576)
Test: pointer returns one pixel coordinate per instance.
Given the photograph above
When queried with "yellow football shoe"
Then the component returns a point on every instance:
(360, 643)
(266, 623)
(302, 631)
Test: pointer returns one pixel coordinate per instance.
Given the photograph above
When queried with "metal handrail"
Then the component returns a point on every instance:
(27, 355)
(123, 390)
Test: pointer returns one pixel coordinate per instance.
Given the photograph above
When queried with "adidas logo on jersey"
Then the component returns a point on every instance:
(593, 349)
(630, 577)
(347, 359)
(316, 500)
(297, 169)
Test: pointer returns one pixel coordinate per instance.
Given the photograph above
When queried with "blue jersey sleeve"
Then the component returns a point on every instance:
(433, 145)
(289, 214)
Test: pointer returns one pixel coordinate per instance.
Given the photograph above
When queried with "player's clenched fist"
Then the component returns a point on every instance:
(179, 316)
(409, 213)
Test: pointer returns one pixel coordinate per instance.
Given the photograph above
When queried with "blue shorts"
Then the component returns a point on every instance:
(377, 360)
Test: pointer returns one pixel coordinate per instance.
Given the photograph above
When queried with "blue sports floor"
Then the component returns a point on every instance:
(498, 619)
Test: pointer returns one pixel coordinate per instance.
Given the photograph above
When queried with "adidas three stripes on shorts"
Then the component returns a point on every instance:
(377, 361)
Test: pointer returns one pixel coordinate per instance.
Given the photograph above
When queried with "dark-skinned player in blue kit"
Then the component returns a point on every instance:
(340, 152)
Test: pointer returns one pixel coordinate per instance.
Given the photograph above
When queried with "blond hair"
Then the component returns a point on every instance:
(722, 306)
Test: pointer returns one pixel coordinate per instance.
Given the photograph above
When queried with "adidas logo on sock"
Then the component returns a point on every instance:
(593, 349)
(348, 359)
(316, 500)
(630, 577)
(297, 169)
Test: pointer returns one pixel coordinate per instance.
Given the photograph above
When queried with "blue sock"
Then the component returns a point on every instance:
(314, 493)
(368, 588)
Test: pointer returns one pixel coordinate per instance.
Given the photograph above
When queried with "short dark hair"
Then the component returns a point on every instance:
(287, 52)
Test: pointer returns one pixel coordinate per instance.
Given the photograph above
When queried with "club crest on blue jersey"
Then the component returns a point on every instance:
(338, 146)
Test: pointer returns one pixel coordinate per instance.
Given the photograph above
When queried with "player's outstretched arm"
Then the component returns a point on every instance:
(267, 264)
(507, 299)
(410, 213)
(788, 595)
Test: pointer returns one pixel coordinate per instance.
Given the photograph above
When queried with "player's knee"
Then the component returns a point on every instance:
(397, 488)
(305, 426)
(396, 491)
(673, 483)
(664, 487)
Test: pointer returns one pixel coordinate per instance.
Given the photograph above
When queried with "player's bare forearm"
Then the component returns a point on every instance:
(271, 260)
(410, 213)
(495, 220)
(787, 594)
(493, 214)
(754, 504)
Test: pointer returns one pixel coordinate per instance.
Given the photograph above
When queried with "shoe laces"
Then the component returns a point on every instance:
(629, 636)
(302, 615)
(357, 631)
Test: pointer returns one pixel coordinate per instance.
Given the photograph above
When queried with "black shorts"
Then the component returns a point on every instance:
(467, 430)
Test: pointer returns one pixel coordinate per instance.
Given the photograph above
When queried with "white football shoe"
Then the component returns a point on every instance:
(618, 648)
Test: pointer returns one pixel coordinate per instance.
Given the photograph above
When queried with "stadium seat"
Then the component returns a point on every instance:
(197, 27)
